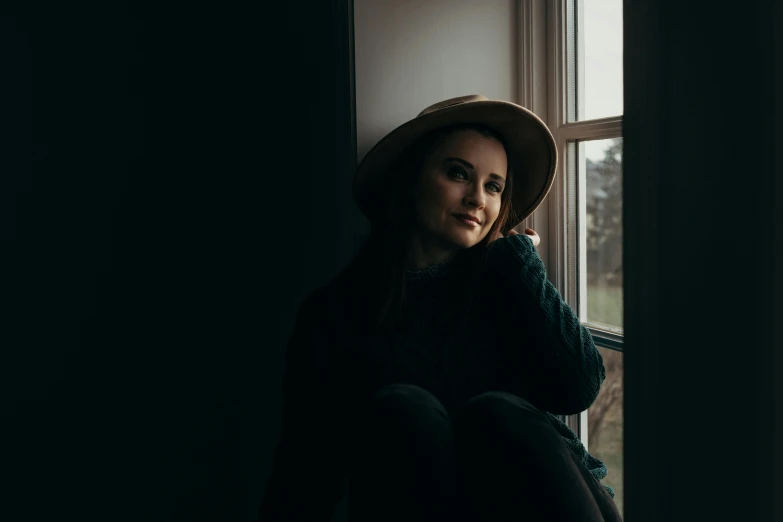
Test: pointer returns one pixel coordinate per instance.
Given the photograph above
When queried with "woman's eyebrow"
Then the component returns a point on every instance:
(460, 160)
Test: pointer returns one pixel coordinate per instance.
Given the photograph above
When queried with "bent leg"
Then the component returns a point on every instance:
(513, 465)
(403, 465)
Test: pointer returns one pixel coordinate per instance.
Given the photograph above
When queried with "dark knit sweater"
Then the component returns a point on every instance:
(522, 338)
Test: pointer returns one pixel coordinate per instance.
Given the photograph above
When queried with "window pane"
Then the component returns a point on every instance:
(604, 231)
(605, 424)
(599, 59)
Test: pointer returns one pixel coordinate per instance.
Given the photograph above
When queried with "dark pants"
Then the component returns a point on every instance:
(498, 459)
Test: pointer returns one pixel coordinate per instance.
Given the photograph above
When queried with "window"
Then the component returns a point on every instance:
(582, 222)
(589, 134)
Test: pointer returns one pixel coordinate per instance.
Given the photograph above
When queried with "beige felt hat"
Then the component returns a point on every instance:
(532, 153)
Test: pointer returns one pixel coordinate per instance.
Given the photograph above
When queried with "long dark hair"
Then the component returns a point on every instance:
(386, 249)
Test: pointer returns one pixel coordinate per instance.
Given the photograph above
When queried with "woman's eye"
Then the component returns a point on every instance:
(456, 170)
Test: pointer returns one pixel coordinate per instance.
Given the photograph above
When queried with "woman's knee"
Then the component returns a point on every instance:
(403, 459)
(403, 417)
(402, 399)
(499, 401)
(404, 410)
(497, 410)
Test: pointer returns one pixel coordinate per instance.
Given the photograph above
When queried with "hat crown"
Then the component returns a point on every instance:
(453, 101)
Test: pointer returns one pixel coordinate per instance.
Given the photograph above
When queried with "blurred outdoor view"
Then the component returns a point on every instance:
(604, 225)
(605, 424)
(605, 299)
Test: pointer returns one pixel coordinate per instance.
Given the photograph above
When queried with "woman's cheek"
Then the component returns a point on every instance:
(447, 189)
(494, 215)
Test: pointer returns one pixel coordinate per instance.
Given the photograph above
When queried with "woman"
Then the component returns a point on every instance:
(426, 374)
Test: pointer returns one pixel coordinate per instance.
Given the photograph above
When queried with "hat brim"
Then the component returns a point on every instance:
(531, 153)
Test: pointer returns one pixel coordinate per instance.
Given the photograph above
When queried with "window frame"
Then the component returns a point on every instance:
(543, 68)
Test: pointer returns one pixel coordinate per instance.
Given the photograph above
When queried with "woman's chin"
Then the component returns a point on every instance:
(465, 240)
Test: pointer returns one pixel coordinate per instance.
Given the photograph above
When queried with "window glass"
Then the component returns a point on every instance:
(599, 48)
(604, 228)
(605, 424)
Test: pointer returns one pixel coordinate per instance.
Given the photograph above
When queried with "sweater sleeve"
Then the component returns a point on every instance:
(554, 359)
(307, 473)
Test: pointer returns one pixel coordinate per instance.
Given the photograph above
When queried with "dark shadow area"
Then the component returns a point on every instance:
(702, 261)
(176, 179)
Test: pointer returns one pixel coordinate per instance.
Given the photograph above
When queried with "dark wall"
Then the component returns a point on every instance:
(703, 233)
(175, 181)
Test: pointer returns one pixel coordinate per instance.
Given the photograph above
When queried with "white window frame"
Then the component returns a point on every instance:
(542, 80)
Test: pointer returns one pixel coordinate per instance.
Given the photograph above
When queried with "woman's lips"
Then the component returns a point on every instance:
(468, 222)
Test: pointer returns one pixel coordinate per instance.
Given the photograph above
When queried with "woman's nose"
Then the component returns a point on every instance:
(474, 199)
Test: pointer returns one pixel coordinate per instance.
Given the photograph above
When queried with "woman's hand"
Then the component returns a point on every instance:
(532, 234)
(528, 232)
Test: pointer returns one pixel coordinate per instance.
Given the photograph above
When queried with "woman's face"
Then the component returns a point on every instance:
(463, 177)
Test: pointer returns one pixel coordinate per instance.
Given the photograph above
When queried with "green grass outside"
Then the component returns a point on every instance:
(605, 304)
